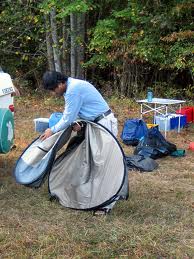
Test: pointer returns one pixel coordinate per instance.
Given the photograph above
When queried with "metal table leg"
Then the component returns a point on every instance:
(141, 115)
(179, 124)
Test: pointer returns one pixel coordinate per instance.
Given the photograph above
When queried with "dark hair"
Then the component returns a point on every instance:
(51, 79)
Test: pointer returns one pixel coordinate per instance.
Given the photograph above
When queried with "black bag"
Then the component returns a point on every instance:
(154, 145)
(141, 163)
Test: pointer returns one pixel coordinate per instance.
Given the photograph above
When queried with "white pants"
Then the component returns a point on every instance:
(110, 122)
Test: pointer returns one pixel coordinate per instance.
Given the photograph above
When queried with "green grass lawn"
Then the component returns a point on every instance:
(157, 221)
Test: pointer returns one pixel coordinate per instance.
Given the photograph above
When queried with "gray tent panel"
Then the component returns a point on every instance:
(92, 174)
(36, 161)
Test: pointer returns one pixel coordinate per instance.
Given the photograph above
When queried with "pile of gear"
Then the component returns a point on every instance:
(150, 145)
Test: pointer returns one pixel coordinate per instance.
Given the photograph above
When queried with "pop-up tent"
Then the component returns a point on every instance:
(86, 170)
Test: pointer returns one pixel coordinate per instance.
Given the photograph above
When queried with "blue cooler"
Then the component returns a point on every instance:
(174, 121)
(54, 118)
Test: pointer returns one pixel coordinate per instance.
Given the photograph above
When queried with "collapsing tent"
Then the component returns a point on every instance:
(89, 173)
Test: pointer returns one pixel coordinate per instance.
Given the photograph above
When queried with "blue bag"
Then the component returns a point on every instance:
(133, 131)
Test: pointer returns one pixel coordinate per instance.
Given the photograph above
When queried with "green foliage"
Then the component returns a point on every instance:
(66, 7)
(104, 34)
(180, 55)
(145, 29)
(152, 32)
(100, 60)
(21, 37)
(78, 6)
(156, 33)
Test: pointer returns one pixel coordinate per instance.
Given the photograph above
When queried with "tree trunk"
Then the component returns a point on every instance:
(73, 23)
(66, 66)
(55, 40)
(50, 59)
(80, 44)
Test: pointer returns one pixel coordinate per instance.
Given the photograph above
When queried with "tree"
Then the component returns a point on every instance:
(135, 44)
(50, 57)
(73, 21)
(54, 33)
(145, 43)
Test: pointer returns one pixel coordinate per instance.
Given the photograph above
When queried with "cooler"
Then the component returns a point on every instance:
(174, 121)
(6, 89)
(171, 121)
(162, 121)
(188, 112)
(6, 130)
(193, 114)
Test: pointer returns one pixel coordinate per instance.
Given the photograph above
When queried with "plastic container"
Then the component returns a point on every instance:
(41, 124)
(174, 121)
(6, 130)
(171, 121)
(188, 111)
(149, 95)
(163, 121)
(54, 118)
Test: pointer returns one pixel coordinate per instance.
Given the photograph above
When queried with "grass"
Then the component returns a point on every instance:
(157, 220)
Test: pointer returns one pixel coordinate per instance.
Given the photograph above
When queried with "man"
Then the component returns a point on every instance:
(82, 100)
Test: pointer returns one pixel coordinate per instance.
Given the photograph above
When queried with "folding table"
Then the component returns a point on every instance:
(160, 106)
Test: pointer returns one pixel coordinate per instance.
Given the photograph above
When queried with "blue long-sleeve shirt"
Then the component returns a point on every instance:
(82, 100)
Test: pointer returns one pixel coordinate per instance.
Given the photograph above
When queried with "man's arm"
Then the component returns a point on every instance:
(73, 103)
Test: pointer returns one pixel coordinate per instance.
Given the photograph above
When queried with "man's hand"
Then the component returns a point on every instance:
(77, 127)
(46, 134)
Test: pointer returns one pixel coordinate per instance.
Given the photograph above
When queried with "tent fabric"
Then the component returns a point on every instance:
(141, 163)
(89, 173)
(95, 176)
(36, 160)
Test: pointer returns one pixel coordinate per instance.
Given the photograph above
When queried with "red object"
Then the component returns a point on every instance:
(191, 146)
(189, 112)
(193, 114)
(11, 107)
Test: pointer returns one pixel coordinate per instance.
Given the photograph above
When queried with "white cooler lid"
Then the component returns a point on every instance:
(6, 85)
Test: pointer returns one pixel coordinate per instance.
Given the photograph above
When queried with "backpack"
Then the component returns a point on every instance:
(154, 145)
(133, 131)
